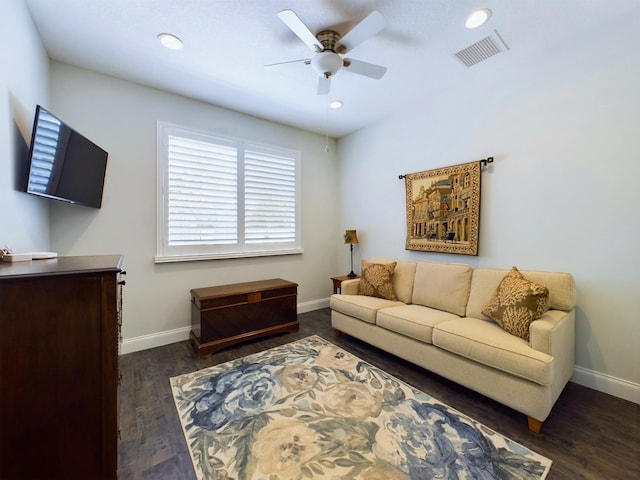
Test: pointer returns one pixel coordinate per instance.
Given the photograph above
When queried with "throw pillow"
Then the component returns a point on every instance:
(375, 280)
(516, 303)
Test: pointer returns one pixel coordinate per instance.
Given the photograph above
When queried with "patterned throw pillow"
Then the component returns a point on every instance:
(375, 280)
(516, 303)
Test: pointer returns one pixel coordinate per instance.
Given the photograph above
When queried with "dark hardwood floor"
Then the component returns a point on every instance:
(589, 435)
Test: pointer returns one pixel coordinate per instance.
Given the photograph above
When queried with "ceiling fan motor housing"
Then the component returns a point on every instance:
(329, 40)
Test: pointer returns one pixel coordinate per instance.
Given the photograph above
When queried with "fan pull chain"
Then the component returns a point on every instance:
(326, 141)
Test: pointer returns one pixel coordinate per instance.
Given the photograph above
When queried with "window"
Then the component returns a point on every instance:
(224, 197)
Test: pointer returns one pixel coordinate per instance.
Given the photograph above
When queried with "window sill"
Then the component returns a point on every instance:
(222, 256)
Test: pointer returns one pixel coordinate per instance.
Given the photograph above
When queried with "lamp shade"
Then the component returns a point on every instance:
(350, 237)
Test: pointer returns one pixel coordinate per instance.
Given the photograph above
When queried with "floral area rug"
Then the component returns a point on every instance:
(310, 410)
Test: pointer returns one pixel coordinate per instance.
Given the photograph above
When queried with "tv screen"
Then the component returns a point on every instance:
(64, 165)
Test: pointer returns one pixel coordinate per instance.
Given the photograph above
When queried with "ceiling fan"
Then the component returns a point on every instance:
(329, 47)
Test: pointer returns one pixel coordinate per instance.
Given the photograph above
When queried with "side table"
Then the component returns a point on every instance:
(337, 281)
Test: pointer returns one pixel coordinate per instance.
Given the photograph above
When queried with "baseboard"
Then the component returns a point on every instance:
(153, 340)
(607, 384)
(313, 305)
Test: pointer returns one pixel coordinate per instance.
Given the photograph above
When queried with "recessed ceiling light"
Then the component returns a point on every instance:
(477, 18)
(170, 41)
(336, 104)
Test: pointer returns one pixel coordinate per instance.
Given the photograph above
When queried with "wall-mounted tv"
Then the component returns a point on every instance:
(63, 164)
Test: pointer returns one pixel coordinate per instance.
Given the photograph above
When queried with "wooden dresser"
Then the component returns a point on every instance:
(59, 337)
(227, 314)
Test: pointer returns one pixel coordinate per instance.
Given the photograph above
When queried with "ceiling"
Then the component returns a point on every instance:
(227, 44)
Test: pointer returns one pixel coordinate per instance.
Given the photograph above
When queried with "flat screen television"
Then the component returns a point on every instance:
(63, 164)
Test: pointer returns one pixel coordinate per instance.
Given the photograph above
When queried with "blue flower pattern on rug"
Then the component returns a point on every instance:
(235, 394)
(310, 410)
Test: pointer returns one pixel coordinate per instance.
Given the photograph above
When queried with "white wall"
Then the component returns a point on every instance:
(121, 117)
(562, 194)
(24, 82)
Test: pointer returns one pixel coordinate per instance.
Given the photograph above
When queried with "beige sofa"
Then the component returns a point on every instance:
(437, 323)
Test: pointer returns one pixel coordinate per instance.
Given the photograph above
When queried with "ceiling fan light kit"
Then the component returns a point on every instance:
(329, 46)
(326, 63)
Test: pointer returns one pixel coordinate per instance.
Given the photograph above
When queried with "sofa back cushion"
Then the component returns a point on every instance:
(444, 286)
(402, 279)
(485, 281)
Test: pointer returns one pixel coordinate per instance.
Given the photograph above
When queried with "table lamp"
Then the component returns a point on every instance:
(351, 238)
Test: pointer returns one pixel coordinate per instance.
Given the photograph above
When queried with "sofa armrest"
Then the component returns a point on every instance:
(554, 334)
(350, 287)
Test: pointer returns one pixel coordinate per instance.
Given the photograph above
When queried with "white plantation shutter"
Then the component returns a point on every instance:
(221, 197)
(202, 193)
(270, 200)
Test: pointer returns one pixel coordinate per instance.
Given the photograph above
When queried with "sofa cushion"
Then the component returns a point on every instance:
(361, 307)
(516, 303)
(486, 343)
(402, 277)
(375, 280)
(413, 321)
(485, 281)
(444, 286)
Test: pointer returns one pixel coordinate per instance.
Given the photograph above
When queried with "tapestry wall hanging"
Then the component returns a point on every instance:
(443, 209)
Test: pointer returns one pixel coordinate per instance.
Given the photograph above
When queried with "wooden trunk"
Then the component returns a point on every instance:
(228, 314)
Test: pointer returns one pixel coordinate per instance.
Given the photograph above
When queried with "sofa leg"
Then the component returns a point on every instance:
(534, 424)
(337, 332)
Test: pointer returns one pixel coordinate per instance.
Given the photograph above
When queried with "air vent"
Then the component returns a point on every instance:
(479, 51)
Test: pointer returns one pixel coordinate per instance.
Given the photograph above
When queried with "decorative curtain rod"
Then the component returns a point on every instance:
(484, 163)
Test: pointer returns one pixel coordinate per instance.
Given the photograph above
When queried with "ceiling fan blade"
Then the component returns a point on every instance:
(292, 21)
(368, 27)
(324, 85)
(305, 60)
(363, 68)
